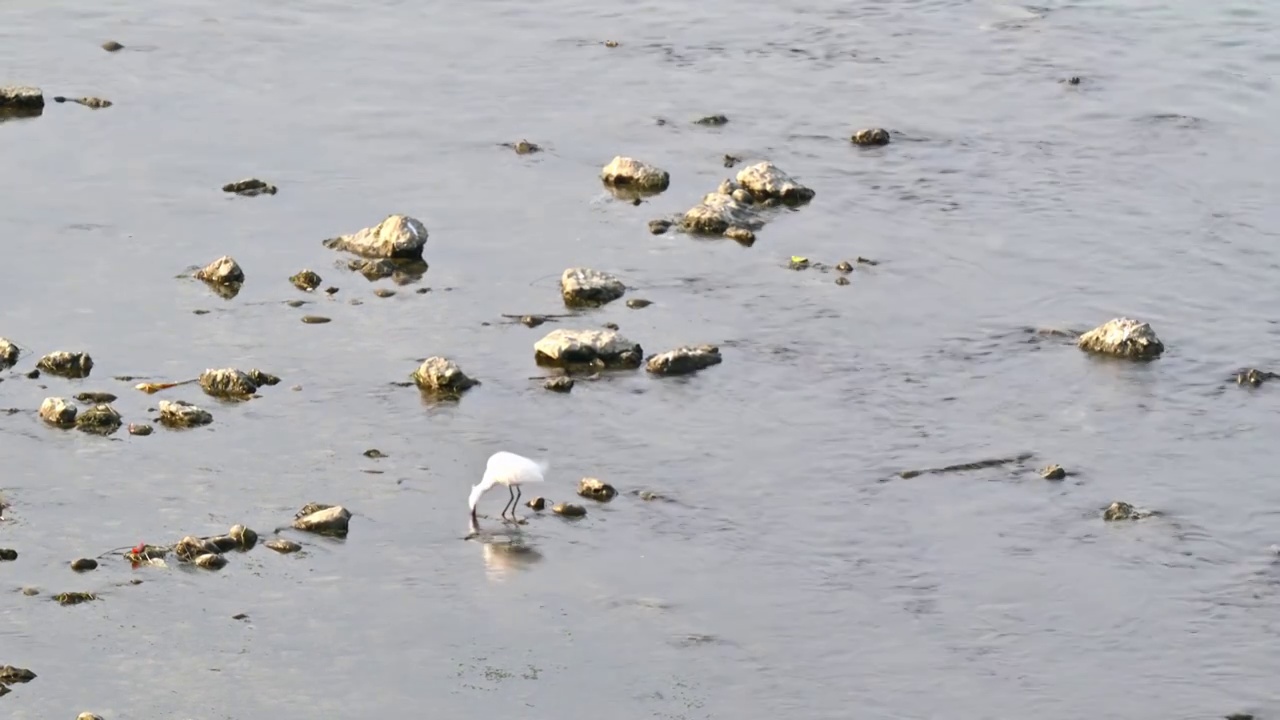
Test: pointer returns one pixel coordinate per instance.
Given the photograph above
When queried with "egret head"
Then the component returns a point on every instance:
(476, 492)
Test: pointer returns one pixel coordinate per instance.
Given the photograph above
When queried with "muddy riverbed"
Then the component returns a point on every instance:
(792, 570)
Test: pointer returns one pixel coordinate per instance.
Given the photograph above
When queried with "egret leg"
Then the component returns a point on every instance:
(510, 502)
(515, 505)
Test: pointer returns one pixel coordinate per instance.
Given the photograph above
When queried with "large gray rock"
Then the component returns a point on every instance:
(223, 271)
(633, 174)
(584, 287)
(441, 375)
(717, 213)
(594, 347)
(8, 354)
(766, 182)
(227, 383)
(1124, 338)
(398, 237)
(684, 360)
(21, 97)
(58, 412)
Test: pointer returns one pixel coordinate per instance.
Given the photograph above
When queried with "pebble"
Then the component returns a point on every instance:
(315, 319)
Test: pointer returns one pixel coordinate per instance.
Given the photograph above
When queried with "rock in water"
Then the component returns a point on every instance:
(561, 384)
(211, 561)
(1124, 338)
(66, 364)
(399, 237)
(227, 383)
(244, 537)
(10, 675)
(440, 375)
(330, 520)
(766, 182)
(88, 716)
(84, 564)
(140, 429)
(182, 414)
(594, 347)
(21, 97)
(584, 287)
(596, 489)
(635, 175)
(871, 137)
(101, 419)
(8, 354)
(282, 545)
(1124, 511)
(717, 213)
(306, 280)
(223, 271)
(112, 46)
(568, 510)
(250, 187)
(683, 360)
(58, 412)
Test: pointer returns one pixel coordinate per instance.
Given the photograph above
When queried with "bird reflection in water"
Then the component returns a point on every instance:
(504, 551)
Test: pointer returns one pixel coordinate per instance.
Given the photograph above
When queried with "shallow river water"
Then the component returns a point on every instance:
(792, 574)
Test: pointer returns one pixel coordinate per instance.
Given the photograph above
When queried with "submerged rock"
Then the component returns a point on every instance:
(20, 97)
(713, 120)
(440, 375)
(227, 383)
(306, 280)
(584, 287)
(871, 137)
(1124, 511)
(398, 236)
(250, 187)
(638, 303)
(112, 46)
(84, 564)
(95, 103)
(523, 147)
(595, 347)
(766, 182)
(635, 175)
(182, 414)
(717, 213)
(537, 504)
(58, 412)
(283, 546)
(140, 429)
(88, 716)
(1053, 472)
(261, 378)
(1124, 338)
(10, 675)
(66, 364)
(8, 555)
(658, 227)
(95, 398)
(244, 537)
(1253, 376)
(8, 354)
(323, 519)
(210, 561)
(596, 489)
(568, 510)
(561, 384)
(74, 598)
(683, 360)
(101, 419)
(741, 234)
(223, 271)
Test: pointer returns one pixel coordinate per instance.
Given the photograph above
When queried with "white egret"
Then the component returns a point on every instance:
(512, 470)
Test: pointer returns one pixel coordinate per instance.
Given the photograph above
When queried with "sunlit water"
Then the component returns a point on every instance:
(791, 575)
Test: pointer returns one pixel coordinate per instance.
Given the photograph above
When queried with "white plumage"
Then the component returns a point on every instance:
(512, 470)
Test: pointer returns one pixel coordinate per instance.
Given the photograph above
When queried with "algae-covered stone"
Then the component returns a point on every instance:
(96, 398)
(584, 287)
(223, 271)
(101, 419)
(283, 546)
(594, 347)
(84, 564)
(58, 412)
(330, 520)
(683, 360)
(596, 489)
(227, 383)
(306, 280)
(182, 414)
(717, 213)
(21, 97)
(10, 675)
(66, 364)
(1053, 472)
(398, 236)
(8, 354)
(870, 137)
(568, 510)
(74, 598)
(1124, 338)
(1124, 511)
(659, 226)
(766, 182)
(440, 375)
(633, 174)
(250, 187)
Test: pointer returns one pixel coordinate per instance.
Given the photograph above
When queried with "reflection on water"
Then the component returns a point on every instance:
(504, 550)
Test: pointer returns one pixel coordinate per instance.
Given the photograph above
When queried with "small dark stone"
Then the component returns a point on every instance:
(423, 291)
(842, 280)
(532, 320)
(240, 616)
(84, 564)
(374, 453)
(658, 227)
(537, 503)
(524, 147)
(8, 554)
(637, 303)
(731, 160)
(315, 319)
(871, 137)
(95, 397)
(713, 120)
(560, 384)
(33, 374)
(384, 292)
(1053, 472)
(1075, 80)
(844, 267)
(610, 326)
(112, 46)
(330, 290)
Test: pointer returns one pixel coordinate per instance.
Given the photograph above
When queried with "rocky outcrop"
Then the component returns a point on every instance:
(1123, 338)
(182, 414)
(397, 237)
(442, 376)
(58, 412)
(766, 182)
(683, 360)
(584, 287)
(66, 364)
(606, 348)
(632, 174)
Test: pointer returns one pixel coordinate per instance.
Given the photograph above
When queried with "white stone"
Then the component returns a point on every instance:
(625, 171)
(398, 236)
(584, 286)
